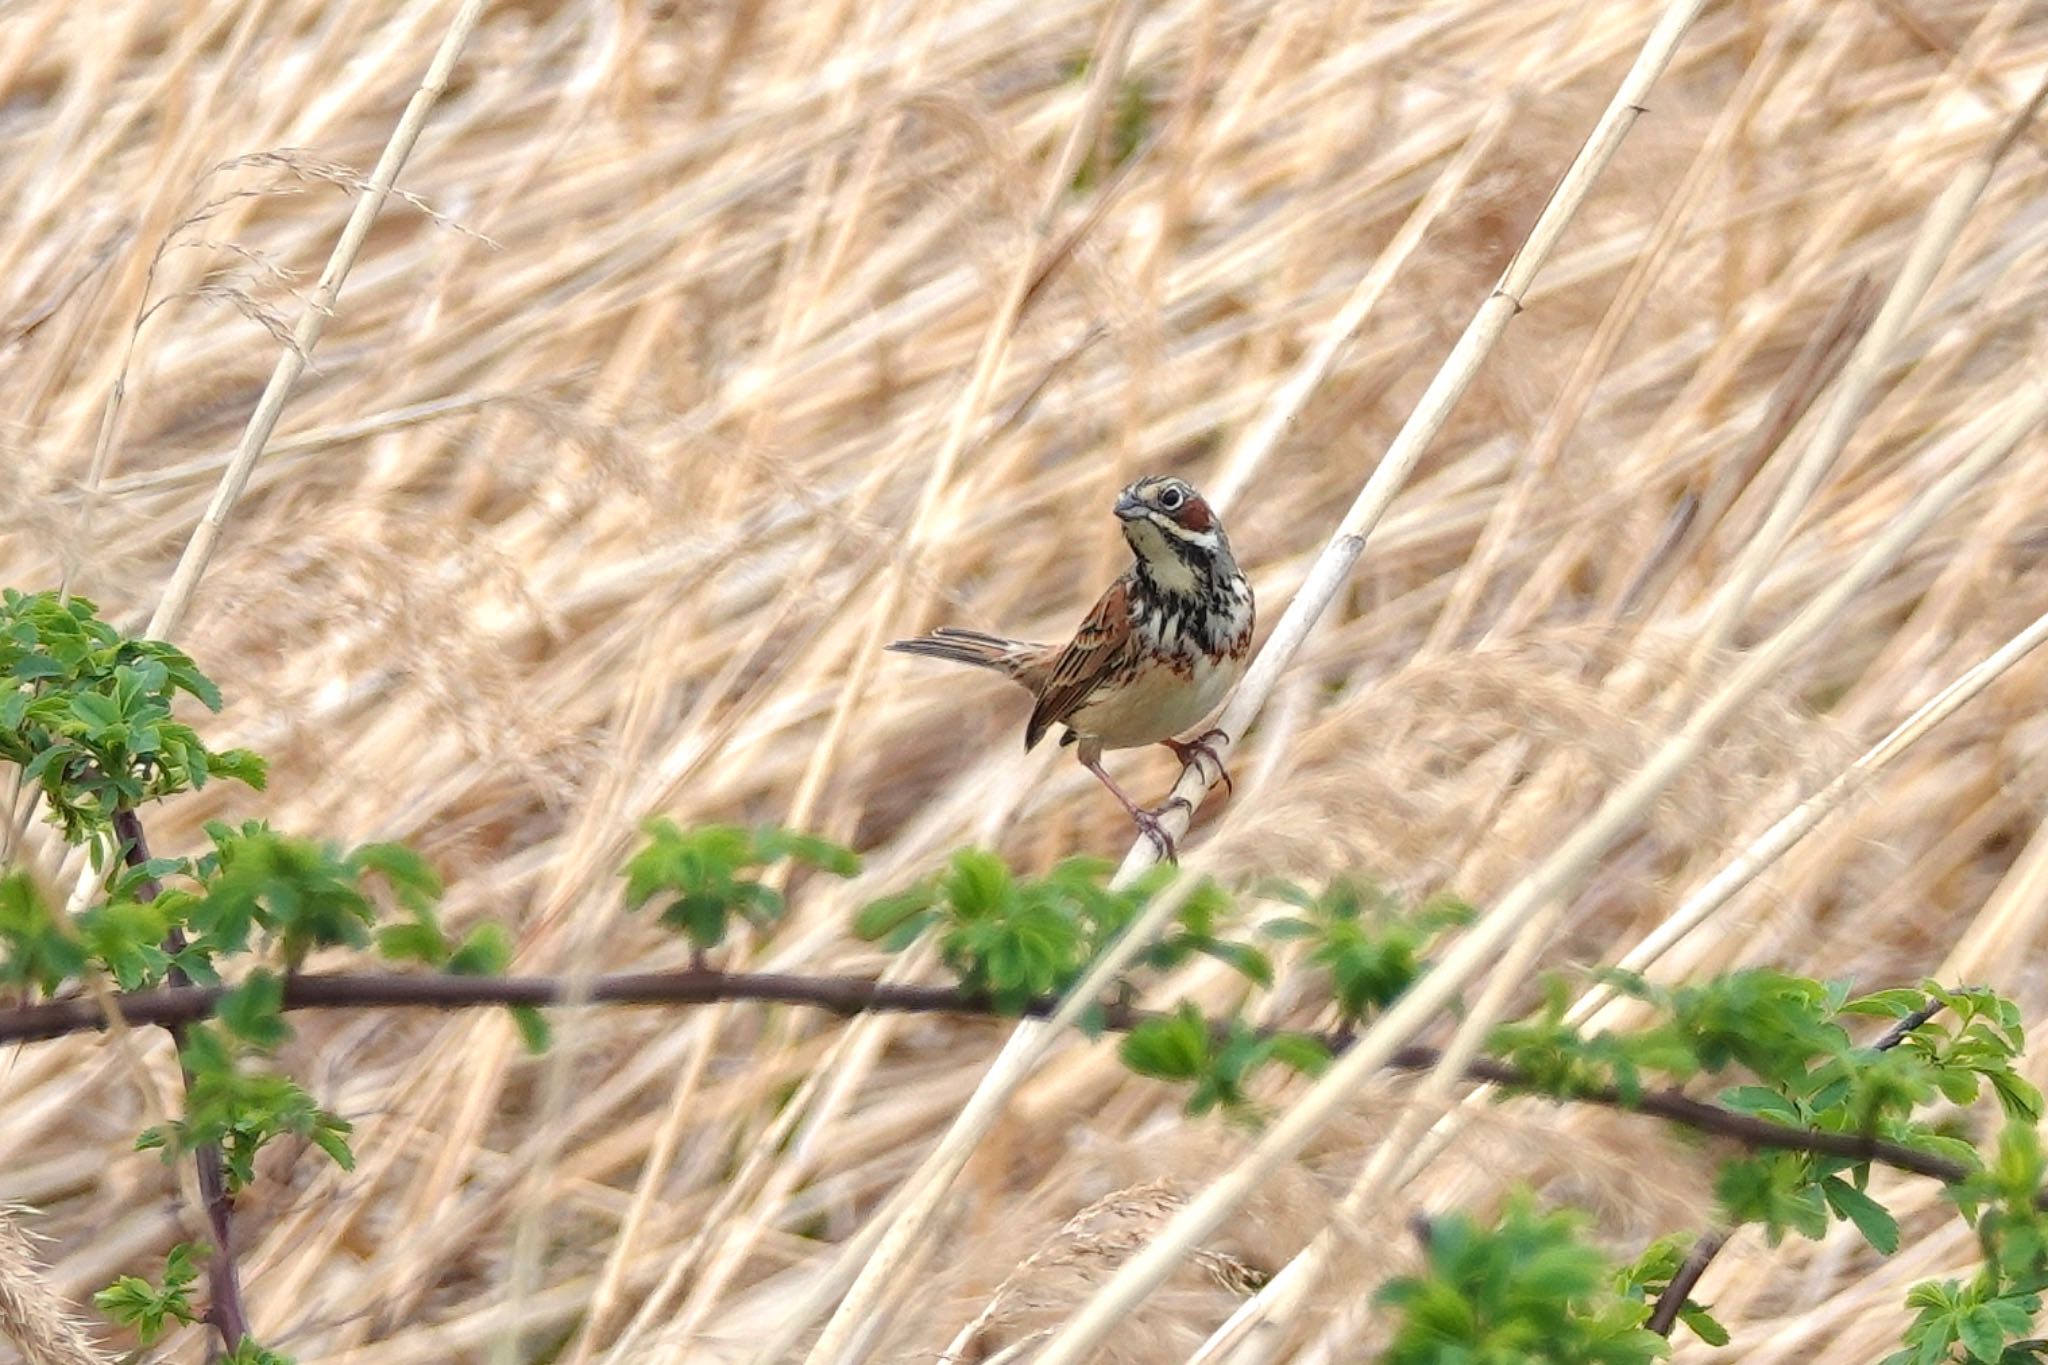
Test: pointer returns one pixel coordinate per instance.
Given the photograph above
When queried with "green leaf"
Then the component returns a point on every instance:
(1981, 1334)
(1760, 1101)
(248, 1352)
(534, 1033)
(485, 950)
(125, 937)
(1248, 961)
(1300, 1052)
(410, 877)
(706, 875)
(240, 1110)
(882, 918)
(2017, 1096)
(1775, 1190)
(87, 713)
(1896, 1003)
(978, 884)
(1703, 1324)
(1175, 1048)
(36, 952)
(148, 1310)
(179, 670)
(246, 766)
(1871, 1218)
(330, 1134)
(1526, 1288)
(420, 941)
(774, 844)
(97, 713)
(1286, 929)
(254, 1011)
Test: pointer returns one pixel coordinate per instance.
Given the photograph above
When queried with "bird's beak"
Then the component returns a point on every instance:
(1128, 507)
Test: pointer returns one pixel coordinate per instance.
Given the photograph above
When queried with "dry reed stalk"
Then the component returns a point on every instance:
(293, 358)
(766, 1182)
(1107, 58)
(1937, 237)
(1592, 1009)
(1283, 408)
(1764, 850)
(907, 1225)
(598, 846)
(900, 1229)
(1254, 1334)
(1540, 464)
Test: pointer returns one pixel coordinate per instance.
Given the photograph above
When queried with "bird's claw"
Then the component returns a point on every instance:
(1194, 750)
(1153, 828)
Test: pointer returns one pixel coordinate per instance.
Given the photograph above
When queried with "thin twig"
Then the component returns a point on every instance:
(1672, 1301)
(223, 1280)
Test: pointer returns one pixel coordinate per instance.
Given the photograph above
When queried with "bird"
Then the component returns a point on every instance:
(1158, 653)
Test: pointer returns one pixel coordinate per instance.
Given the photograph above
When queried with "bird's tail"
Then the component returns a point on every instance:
(1012, 658)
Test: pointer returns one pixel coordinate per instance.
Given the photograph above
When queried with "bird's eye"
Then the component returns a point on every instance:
(1171, 499)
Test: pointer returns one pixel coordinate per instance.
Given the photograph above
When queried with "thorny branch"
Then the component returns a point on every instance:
(224, 1282)
(176, 1005)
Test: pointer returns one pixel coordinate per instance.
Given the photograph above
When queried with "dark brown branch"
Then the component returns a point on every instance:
(405, 990)
(223, 1280)
(1672, 1301)
(1896, 1034)
(852, 995)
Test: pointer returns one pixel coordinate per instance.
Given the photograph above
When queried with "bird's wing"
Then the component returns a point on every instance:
(1100, 650)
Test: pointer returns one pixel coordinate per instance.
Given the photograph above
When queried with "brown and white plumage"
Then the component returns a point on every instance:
(1159, 651)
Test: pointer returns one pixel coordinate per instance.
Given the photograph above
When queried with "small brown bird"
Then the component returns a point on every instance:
(1158, 653)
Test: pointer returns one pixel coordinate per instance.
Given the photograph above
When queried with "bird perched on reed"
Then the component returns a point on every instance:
(1158, 653)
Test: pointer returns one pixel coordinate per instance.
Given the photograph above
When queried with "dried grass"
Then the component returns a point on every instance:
(766, 332)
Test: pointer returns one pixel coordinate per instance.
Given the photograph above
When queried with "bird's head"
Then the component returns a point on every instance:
(1174, 532)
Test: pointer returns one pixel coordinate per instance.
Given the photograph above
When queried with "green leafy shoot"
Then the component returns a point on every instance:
(1976, 1322)
(248, 1352)
(1014, 940)
(1526, 1288)
(1974, 1040)
(147, 1309)
(1371, 945)
(241, 1110)
(87, 714)
(1783, 1042)
(704, 877)
(1218, 1063)
(261, 892)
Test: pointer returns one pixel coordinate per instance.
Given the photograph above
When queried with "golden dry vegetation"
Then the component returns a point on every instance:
(708, 348)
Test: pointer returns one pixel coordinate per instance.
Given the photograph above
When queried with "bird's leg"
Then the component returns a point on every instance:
(1147, 821)
(1191, 750)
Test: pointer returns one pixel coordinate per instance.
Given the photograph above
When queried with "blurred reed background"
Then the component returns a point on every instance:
(686, 380)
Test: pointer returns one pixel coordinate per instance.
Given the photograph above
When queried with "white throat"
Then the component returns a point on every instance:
(1168, 570)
